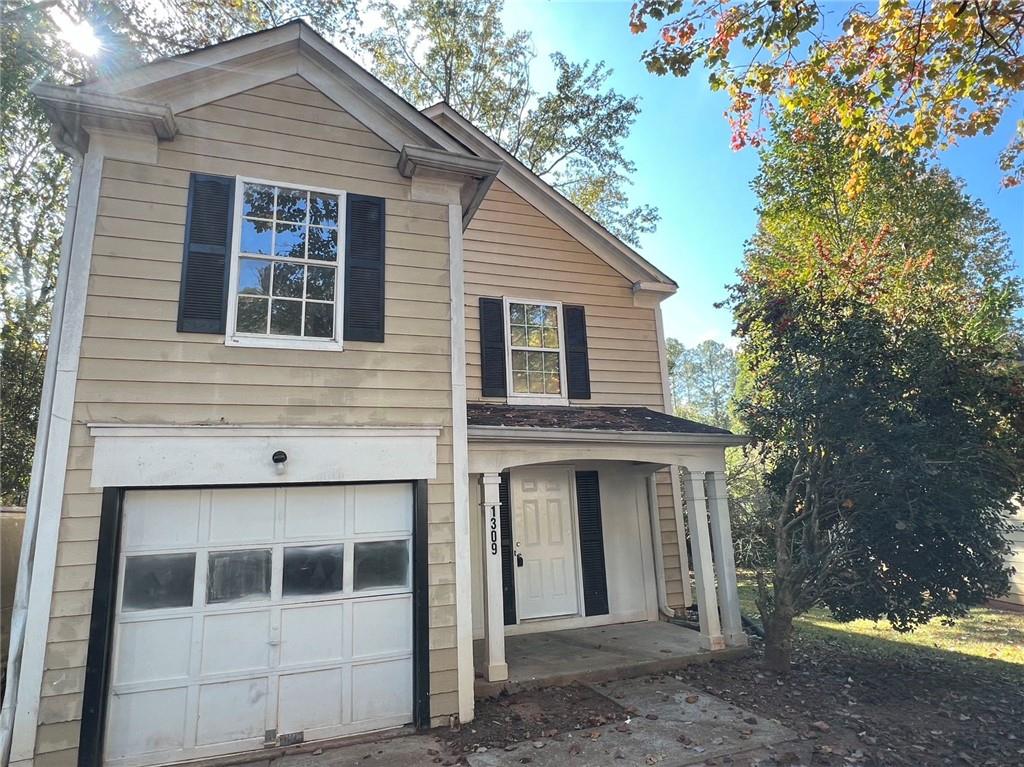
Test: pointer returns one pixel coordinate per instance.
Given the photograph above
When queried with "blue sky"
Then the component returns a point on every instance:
(685, 166)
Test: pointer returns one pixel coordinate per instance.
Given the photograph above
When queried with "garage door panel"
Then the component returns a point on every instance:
(154, 651)
(313, 634)
(148, 722)
(314, 512)
(391, 683)
(242, 515)
(248, 611)
(236, 642)
(381, 627)
(164, 519)
(310, 700)
(382, 509)
(232, 711)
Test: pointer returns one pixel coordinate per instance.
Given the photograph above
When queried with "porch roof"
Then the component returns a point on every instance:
(592, 418)
(505, 436)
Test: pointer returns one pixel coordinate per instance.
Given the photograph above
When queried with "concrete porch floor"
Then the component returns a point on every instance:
(596, 654)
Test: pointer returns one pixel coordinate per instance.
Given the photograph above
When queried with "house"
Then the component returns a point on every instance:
(334, 387)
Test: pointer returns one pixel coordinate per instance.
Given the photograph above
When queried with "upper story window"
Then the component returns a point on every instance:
(536, 363)
(286, 268)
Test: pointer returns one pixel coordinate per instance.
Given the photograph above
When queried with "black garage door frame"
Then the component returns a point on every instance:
(104, 600)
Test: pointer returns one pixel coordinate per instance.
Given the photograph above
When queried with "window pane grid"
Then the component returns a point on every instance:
(270, 299)
(535, 349)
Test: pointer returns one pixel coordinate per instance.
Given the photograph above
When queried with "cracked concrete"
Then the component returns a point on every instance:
(664, 714)
(670, 725)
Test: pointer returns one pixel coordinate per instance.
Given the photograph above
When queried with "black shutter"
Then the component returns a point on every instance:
(508, 573)
(595, 582)
(492, 348)
(577, 358)
(203, 298)
(364, 268)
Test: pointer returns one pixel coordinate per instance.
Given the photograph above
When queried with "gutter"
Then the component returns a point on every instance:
(19, 614)
(539, 434)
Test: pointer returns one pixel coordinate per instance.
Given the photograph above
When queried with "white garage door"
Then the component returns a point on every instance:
(256, 616)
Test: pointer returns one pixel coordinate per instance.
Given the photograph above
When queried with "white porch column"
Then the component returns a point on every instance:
(725, 560)
(497, 668)
(704, 575)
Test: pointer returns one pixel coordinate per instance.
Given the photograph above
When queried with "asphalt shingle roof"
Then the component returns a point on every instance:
(599, 418)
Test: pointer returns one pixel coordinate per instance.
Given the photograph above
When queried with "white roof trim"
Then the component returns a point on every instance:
(244, 60)
(77, 112)
(535, 434)
(526, 183)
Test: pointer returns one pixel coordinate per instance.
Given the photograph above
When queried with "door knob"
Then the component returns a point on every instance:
(519, 559)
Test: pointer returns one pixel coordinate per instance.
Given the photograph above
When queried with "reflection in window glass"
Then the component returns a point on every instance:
(312, 570)
(380, 564)
(536, 355)
(292, 234)
(158, 581)
(235, 575)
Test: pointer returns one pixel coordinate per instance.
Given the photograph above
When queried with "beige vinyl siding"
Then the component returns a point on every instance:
(512, 249)
(136, 368)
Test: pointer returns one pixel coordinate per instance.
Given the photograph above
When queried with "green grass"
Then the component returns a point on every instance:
(985, 634)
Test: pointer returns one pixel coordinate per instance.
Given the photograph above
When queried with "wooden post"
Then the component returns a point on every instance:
(497, 668)
(725, 560)
(703, 567)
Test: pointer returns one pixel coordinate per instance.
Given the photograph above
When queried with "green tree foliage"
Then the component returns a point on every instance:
(458, 51)
(34, 175)
(703, 379)
(881, 381)
(901, 75)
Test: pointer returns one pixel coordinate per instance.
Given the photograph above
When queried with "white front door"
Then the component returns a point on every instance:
(542, 530)
(249, 617)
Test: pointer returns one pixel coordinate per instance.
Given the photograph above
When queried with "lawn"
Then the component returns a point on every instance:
(860, 693)
(984, 634)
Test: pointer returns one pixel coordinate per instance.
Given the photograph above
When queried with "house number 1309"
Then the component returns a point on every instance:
(494, 531)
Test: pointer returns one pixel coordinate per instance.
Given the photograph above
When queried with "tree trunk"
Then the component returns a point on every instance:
(778, 641)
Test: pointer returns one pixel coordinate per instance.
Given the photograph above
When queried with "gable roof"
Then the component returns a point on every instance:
(294, 48)
(158, 90)
(526, 183)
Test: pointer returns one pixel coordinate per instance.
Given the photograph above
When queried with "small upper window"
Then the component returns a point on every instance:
(536, 365)
(286, 267)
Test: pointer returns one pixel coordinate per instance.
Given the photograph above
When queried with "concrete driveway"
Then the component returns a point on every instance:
(674, 725)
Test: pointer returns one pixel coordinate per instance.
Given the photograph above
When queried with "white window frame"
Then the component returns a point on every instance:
(233, 338)
(520, 398)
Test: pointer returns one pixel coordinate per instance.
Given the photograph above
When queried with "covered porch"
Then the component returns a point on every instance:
(595, 654)
(580, 554)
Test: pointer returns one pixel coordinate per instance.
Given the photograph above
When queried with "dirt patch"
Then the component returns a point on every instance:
(532, 715)
(853, 708)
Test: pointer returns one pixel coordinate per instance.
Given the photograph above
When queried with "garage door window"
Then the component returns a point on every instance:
(236, 575)
(292, 619)
(381, 564)
(311, 570)
(159, 581)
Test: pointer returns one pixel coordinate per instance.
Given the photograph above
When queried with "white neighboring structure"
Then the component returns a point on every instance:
(1015, 597)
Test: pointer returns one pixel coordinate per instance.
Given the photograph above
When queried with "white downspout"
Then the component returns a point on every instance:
(659, 554)
(19, 613)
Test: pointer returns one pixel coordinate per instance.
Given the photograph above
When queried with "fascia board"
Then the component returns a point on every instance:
(531, 434)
